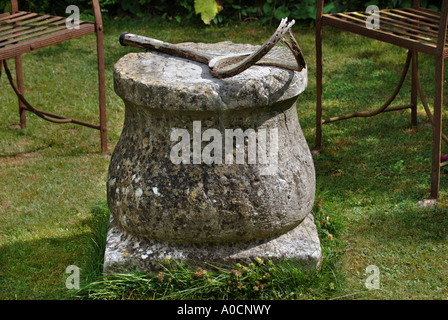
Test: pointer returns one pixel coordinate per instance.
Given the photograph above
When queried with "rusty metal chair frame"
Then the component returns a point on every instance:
(22, 32)
(417, 29)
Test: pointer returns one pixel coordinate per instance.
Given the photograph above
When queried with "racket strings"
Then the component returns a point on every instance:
(285, 54)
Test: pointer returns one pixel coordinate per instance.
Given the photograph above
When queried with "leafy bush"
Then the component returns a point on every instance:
(305, 10)
(218, 11)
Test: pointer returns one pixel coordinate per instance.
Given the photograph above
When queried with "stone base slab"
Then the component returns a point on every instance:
(124, 252)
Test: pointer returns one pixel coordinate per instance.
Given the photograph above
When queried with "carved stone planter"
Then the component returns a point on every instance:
(209, 170)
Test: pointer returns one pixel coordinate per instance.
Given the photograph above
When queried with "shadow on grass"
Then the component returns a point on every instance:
(35, 270)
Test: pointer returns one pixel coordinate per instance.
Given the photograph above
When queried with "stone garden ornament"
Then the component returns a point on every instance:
(212, 166)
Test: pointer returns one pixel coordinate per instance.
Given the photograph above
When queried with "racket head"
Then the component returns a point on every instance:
(269, 54)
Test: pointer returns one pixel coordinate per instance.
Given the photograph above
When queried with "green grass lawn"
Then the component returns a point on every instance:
(371, 174)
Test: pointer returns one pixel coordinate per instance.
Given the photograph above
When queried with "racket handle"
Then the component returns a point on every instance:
(137, 41)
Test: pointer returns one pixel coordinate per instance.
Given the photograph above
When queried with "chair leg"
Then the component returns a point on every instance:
(318, 88)
(102, 91)
(437, 128)
(19, 76)
(414, 90)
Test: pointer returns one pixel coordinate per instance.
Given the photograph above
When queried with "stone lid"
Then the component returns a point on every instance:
(158, 80)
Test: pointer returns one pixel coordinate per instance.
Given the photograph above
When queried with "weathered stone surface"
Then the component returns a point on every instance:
(203, 205)
(156, 80)
(129, 252)
(152, 197)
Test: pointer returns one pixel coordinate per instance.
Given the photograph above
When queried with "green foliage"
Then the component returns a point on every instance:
(261, 279)
(218, 11)
(5, 6)
(208, 9)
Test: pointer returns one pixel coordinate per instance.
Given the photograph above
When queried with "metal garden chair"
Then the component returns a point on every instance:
(417, 29)
(22, 32)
